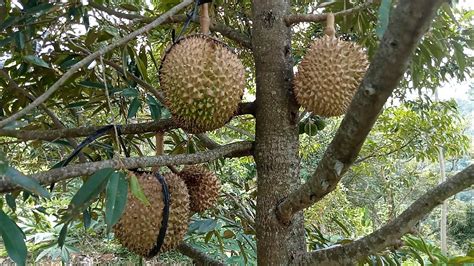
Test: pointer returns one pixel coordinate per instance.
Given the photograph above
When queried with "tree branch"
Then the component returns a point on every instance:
(223, 29)
(84, 62)
(390, 234)
(56, 121)
(409, 21)
(298, 18)
(83, 169)
(198, 256)
(51, 135)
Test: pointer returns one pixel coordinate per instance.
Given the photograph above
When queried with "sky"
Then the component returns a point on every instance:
(457, 90)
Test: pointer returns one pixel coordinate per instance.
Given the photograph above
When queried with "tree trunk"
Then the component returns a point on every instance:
(276, 148)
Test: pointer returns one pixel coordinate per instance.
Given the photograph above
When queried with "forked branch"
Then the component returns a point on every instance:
(83, 169)
(391, 233)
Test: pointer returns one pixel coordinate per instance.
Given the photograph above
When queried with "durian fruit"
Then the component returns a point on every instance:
(203, 82)
(139, 226)
(203, 186)
(329, 74)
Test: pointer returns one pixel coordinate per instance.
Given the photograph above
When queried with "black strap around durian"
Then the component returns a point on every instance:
(166, 194)
(95, 135)
(164, 222)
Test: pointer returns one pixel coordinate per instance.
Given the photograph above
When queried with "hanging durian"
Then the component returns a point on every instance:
(139, 226)
(329, 74)
(203, 187)
(203, 81)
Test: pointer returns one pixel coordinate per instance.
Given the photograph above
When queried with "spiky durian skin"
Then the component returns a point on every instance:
(203, 186)
(203, 82)
(329, 76)
(140, 224)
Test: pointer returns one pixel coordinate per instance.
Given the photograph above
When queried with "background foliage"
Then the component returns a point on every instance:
(40, 40)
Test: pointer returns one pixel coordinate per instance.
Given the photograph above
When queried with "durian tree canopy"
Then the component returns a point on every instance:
(264, 83)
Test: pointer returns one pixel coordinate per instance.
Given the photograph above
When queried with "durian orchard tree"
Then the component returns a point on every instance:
(70, 68)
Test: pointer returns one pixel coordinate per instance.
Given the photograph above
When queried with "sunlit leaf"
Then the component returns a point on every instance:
(35, 61)
(137, 190)
(116, 198)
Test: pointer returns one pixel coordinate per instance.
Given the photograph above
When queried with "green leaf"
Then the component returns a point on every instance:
(5, 41)
(447, 8)
(26, 182)
(91, 37)
(65, 256)
(342, 226)
(90, 189)
(137, 190)
(207, 225)
(124, 61)
(3, 163)
(11, 201)
(62, 235)
(8, 22)
(77, 104)
(91, 84)
(155, 107)
(104, 36)
(85, 20)
(459, 55)
(20, 40)
(461, 260)
(35, 61)
(86, 218)
(13, 239)
(310, 129)
(383, 18)
(134, 105)
(43, 8)
(116, 198)
(130, 92)
(142, 67)
(129, 7)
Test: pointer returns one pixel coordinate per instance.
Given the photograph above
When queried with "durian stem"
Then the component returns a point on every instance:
(173, 169)
(159, 138)
(159, 146)
(330, 29)
(204, 20)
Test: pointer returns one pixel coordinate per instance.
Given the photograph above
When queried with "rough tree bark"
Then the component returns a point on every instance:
(276, 149)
